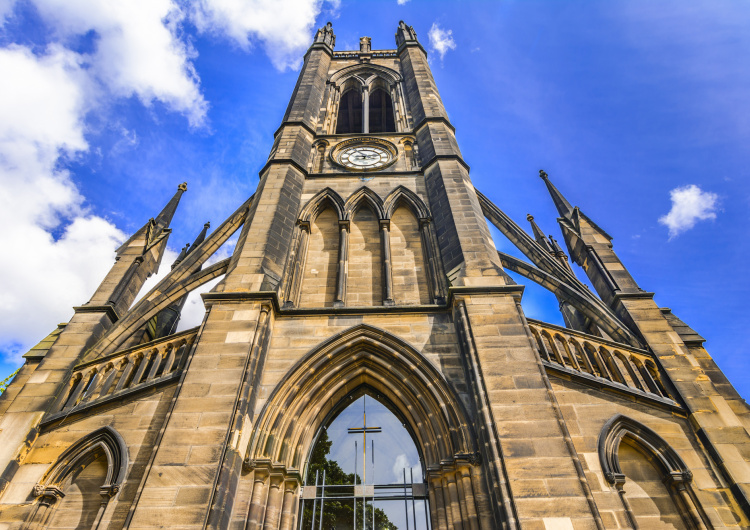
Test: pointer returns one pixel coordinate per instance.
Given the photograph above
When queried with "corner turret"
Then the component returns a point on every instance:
(405, 34)
(325, 36)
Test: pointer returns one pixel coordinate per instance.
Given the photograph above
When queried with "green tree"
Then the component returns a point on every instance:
(5, 382)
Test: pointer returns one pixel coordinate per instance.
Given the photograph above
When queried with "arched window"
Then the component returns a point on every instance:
(350, 113)
(381, 112)
(365, 472)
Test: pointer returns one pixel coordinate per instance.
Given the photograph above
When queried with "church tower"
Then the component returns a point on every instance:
(365, 362)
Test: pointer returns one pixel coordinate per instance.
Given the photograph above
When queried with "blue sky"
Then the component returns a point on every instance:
(106, 107)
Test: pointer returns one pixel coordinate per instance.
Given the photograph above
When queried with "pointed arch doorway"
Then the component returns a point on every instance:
(365, 470)
(314, 392)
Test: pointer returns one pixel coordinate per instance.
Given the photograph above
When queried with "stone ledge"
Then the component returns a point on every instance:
(107, 309)
(438, 158)
(612, 388)
(633, 296)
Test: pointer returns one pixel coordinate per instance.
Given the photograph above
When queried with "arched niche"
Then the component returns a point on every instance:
(320, 265)
(627, 445)
(368, 359)
(99, 459)
(432, 286)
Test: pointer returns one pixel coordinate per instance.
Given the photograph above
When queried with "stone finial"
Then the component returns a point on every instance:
(325, 35)
(182, 187)
(405, 33)
(539, 235)
(543, 174)
(365, 44)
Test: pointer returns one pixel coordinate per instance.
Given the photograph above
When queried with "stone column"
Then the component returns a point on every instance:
(385, 241)
(298, 266)
(430, 251)
(275, 501)
(258, 500)
(289, 508)
(342, 272)
(366, 109)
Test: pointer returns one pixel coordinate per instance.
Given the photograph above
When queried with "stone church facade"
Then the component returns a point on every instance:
(364, 266)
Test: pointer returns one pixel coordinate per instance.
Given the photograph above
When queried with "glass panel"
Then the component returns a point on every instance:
(351, 496)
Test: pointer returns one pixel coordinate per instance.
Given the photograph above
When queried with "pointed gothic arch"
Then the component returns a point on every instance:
(362, 196)
(350, 114)
(352, 362)
(365, 73)
(318, 202)
(105, 442)
(362, 355)
(674, 473)
(401, 195)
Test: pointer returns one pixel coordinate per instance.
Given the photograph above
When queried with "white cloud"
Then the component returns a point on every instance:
(402, 2)
(138, 51)
(283, 27)
(441, 40)
(6, 8)
(56, 250)
(42, 104)
(690, 204)
(402, 462)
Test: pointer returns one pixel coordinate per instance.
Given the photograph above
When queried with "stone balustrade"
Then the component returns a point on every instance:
(601, 358)
(127, 370)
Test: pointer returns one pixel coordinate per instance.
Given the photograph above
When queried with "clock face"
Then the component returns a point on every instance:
(365, 157)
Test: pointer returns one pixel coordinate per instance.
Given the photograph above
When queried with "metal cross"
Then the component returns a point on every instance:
(364, 430)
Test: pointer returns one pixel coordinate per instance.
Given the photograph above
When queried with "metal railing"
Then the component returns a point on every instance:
(152, 362)
(598, 357)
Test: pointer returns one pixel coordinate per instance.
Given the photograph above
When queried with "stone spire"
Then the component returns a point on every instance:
(539, 235)
(563, 206)
(188, 248)
(165, 216)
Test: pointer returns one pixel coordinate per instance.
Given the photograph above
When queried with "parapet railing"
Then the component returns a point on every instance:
(599, 358)
(126, 371)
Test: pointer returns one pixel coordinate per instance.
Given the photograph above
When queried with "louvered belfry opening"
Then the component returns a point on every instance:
(350, 113)
(381, 112)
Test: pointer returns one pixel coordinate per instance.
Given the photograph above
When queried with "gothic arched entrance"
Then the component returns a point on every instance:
(322, 384)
